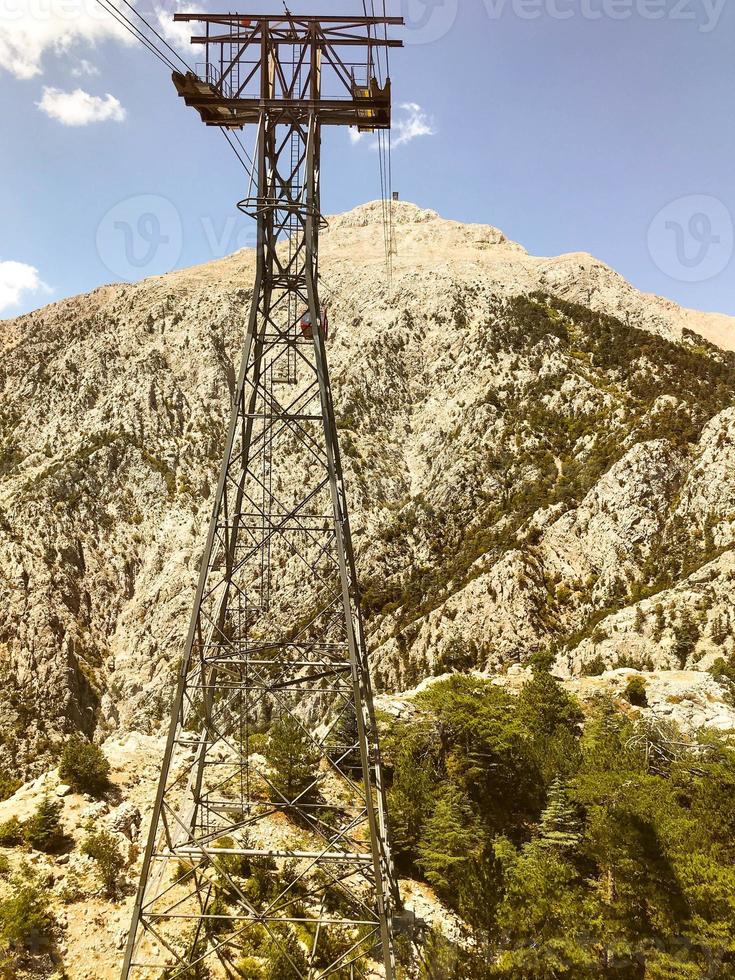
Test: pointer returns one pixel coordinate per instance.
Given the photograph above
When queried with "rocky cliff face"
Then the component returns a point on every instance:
(538, 457)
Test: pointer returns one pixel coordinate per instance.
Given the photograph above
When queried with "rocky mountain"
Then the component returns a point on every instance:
(539, 457)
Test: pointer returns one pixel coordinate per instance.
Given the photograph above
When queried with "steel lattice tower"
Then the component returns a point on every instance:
(244, 858)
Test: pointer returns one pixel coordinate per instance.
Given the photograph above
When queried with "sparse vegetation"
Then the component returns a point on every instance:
(25, 920)
(103, 847)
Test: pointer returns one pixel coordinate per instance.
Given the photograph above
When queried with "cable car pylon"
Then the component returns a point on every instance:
(268, 839)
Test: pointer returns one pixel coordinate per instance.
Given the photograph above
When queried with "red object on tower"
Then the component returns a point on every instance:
(306, 326)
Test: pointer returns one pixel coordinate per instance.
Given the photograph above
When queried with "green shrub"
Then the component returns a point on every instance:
(723, 670)
(43, 831)
(84, 767)
(73, 889)
(635, 692)
(285, 959)
(108, 857)
(11, 833)
(596, 667)
(25, 920)
(8, 785)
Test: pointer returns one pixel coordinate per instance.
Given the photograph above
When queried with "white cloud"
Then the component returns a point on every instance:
(79, 108)
(29, 29)
(177, 33)
(84, 67)
(17, 278)
(409, 125)
(414, 123)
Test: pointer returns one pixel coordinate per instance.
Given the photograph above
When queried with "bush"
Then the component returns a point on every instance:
(723, 670)
(43, 831)
(11, 833)
(595, 667)
(73, 889)
(84, 767)
(24, 915)
(285, 958)
(635, 692)
(104, 849)
(8, 785)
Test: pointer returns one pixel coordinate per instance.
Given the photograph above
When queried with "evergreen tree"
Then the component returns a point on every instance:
(285, 959)
(659, 624)
(25, 919)
(640, 620)
(294, 761)
(43, 830)
(84, 767)
(544, 707)
(719, 631)
(444, 960)
(550, 720)
(686, 636)
(547, 920)
(344, 749)
(480, 893)
(410, 801)
(559, 826)
(452, 839)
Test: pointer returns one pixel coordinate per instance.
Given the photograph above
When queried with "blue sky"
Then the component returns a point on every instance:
(573, 125)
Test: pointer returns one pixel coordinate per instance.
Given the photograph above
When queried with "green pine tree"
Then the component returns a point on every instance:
(84, 767)
(659, 624)
(43, 830)
(411, 797)
(640, 620)
(544, 707)
(294, 761)
(719, 630)
(686, 636)
(25, 918)
(547, 921)
(559, 826)
(344, 747)
(452, 839)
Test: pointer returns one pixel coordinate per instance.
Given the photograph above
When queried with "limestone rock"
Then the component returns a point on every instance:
(519, 470)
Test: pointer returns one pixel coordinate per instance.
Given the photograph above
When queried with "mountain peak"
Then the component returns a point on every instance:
(373, 212)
